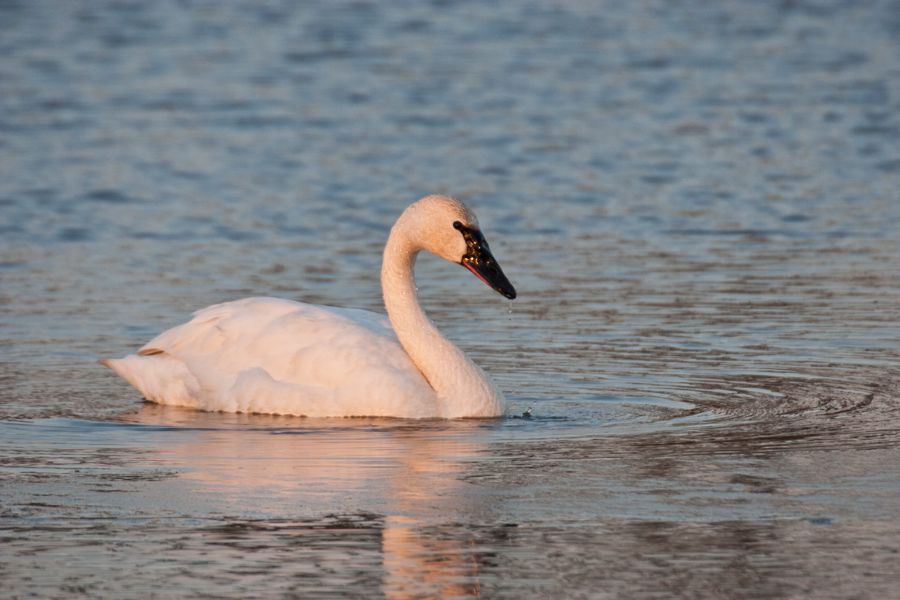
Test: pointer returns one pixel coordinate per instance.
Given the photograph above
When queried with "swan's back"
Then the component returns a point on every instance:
(277, 356)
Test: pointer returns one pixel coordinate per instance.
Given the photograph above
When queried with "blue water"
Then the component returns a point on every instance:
(697, 202)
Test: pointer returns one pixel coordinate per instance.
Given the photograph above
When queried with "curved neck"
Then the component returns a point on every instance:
(461, 386)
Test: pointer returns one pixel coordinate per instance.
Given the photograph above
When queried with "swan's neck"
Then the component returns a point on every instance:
(462, 388)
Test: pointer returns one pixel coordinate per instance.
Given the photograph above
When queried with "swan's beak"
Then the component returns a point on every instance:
(490, 272)
(479, 260)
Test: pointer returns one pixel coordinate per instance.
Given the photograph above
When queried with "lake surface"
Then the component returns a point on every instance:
(699, 204)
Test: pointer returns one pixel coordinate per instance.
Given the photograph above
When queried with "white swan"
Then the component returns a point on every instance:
(266, 355)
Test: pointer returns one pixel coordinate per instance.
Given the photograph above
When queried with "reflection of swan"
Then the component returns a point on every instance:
(276, 356)
(402, 479)
(273, 465)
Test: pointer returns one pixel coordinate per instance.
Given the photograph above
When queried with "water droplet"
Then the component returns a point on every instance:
(509, 311)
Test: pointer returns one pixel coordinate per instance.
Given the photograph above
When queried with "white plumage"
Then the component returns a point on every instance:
(267, 355)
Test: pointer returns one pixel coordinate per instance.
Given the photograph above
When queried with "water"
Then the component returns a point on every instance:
(697, 204)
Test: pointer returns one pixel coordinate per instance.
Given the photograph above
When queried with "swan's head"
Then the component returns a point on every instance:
(446, 227)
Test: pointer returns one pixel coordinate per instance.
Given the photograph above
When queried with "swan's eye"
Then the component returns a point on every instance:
(477, 250)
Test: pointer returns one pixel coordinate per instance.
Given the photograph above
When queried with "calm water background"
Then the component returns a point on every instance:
(699, 204)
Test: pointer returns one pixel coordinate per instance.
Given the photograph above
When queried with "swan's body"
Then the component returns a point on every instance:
(267, 355)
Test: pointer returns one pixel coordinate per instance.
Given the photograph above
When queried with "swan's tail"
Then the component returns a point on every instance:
(159, 377)
(164, 379)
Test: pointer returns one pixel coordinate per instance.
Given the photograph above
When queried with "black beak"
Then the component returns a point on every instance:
(479, 260)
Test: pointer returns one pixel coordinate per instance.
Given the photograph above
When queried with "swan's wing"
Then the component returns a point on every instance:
(210, 326)
(292, 341)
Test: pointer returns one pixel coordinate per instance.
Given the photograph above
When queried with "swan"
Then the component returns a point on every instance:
(268, 355)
